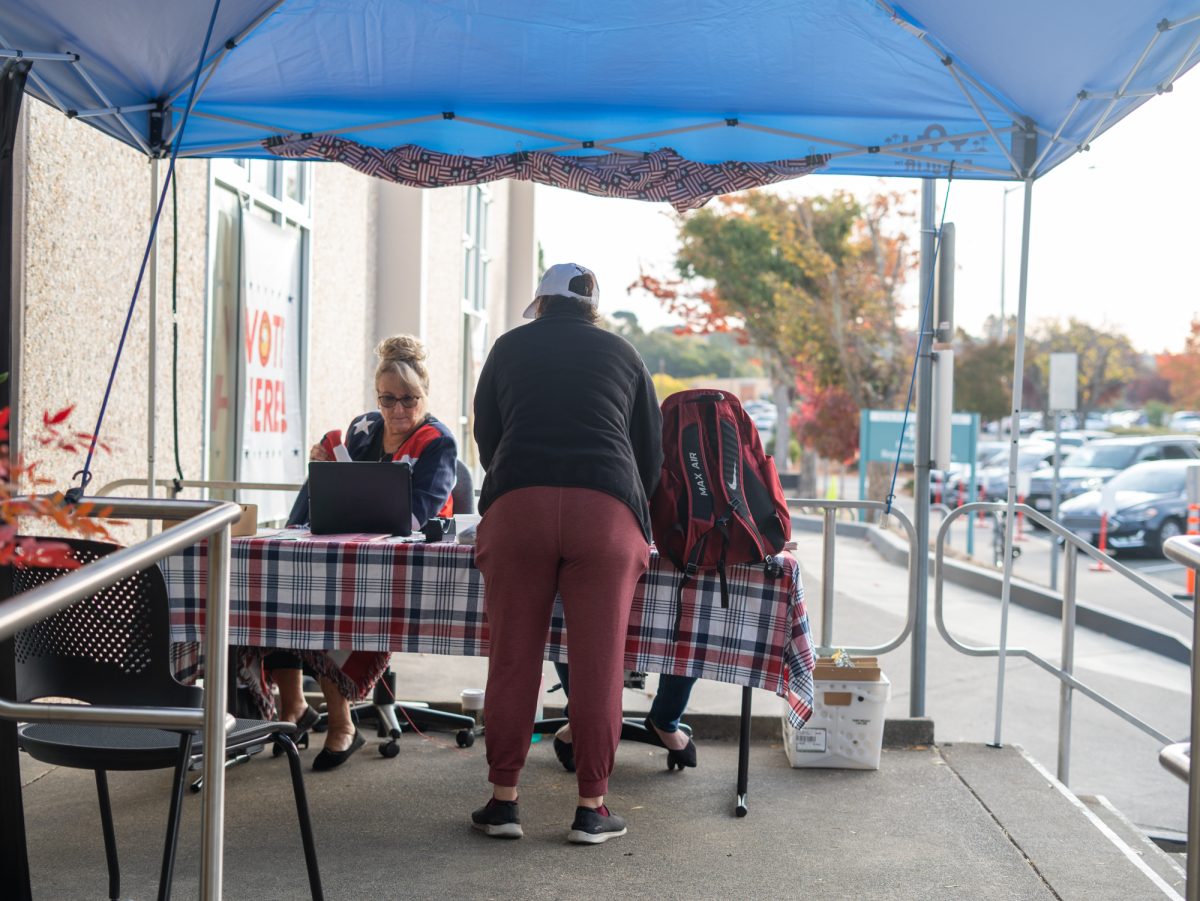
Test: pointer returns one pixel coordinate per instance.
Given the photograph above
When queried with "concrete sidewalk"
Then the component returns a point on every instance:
(932, 823)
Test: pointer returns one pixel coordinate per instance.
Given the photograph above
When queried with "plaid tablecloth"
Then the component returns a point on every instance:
(372, 594)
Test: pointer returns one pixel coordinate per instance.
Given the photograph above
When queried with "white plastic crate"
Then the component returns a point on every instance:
(845, 730)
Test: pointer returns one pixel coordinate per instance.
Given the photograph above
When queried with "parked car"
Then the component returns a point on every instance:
(1149, 505)
(944, 485)
(1088, 467)
(992, 480)
(1185, 421)
(1071, 437)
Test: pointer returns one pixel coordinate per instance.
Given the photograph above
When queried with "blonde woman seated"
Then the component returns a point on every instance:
(400, 431)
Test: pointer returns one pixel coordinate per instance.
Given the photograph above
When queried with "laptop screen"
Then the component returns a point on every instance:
(347, 498)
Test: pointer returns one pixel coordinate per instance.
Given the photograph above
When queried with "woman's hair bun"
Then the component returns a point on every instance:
(401, 349)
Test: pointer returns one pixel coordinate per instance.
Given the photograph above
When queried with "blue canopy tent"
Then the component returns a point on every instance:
(1002, 90)
(676, 100)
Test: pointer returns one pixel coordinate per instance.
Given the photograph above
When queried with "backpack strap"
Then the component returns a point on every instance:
(689, 569)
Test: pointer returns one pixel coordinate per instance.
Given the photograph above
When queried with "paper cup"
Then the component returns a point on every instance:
(471, 699)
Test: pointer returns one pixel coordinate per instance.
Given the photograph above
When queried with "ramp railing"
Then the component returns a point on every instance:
(1072, 546)
(829, 512)
(201, 520)
(1177, 757)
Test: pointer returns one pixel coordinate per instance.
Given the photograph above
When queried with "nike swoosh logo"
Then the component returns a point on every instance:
(734, 483)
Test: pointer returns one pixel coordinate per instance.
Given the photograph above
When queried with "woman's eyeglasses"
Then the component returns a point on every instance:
(408, 401)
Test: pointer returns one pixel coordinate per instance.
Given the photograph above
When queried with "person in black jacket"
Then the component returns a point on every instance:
(570, 436)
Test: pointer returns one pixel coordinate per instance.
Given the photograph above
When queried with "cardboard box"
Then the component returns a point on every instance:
(245, 526)
(845, 730)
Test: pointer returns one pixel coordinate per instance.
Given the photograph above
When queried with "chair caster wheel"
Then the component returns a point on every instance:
(740, 810)
(389, 749)
(465, 738)
(196, 786)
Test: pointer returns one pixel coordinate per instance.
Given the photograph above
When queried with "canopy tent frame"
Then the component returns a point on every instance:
(1023, 156)
(158, 141)
(1017, 142)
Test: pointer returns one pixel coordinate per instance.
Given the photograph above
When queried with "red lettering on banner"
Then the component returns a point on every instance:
(264, 339)
(256, 391)
(251, 332)
(270, 405)
(277, 321)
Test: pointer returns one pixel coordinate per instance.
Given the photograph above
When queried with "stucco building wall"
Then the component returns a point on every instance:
(84, 218)
(87, 211)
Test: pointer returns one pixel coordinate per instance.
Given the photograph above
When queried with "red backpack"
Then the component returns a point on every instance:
(718, 500)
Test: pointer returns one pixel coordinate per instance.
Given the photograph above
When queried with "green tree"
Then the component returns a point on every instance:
(1107, 362)
(685, 355)
(983, 377)
(812, 283)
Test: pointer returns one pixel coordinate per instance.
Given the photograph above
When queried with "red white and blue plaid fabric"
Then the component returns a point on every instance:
(369, 594)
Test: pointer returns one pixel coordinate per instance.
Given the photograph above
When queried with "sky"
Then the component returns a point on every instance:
(1115, 236)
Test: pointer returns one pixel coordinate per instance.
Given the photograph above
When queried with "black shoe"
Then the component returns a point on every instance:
(308, 719)
(681, 758)
(593, 826)
(328, 760)
(499, 819)
(565, 751)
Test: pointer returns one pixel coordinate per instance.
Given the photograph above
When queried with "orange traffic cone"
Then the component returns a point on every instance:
(1100, 566)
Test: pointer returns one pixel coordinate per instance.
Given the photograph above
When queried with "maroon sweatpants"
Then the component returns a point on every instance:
(587, 546)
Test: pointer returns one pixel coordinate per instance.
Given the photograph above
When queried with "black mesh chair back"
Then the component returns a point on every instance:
(104, 649)
(114, 648)
(464, 491)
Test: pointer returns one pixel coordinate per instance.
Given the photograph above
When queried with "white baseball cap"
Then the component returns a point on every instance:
(557, 283)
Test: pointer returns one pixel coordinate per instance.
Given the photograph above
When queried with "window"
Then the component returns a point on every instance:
(476, 259)
(260, 223)
(1175, 452)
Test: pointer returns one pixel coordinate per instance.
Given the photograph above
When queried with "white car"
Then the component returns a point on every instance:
(1185, 421)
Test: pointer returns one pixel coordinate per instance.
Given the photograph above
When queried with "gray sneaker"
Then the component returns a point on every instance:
(499, 819)
(595, 825)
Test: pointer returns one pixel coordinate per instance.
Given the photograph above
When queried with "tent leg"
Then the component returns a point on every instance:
(14, 862)
(1018, 392)
(152, 340)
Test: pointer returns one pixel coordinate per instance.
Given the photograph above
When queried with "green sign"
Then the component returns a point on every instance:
(880, 436)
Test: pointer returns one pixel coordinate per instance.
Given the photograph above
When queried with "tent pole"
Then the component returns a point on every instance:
(152, 341)
(921, 450)
(1018, 391)
(14, 863)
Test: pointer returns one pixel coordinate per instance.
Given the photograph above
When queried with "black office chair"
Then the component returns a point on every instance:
(394, 717)
(463, 494)
(114, 648)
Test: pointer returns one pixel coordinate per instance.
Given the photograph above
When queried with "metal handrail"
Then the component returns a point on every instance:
(211, 484)
(201, 519)
(1072, 545)
(829, 510)
(1185, 549)
(1177, 759)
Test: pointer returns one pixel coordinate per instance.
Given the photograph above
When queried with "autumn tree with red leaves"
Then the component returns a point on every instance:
(1182, 371)
(813, 283)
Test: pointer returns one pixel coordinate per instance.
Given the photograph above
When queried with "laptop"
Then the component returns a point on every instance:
(346, 498)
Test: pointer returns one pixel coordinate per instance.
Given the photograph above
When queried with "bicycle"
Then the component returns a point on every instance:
(998, 523)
